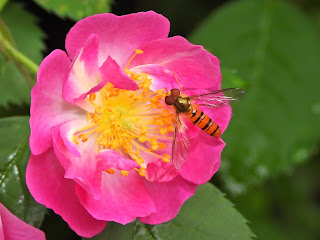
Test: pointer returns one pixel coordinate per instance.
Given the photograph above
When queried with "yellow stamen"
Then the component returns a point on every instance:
(110, 171)
(139, 160)
(92, 97)
(124, 173)
(141, 171)
(142, 138)
(166, 158)
(163, 131)
(95, 118)
(165, 113)
(83, 137)
(75, 139)
(144, 129)
(136, 52)
(130, 122)
(88, 116)
(159, 105)
(171, 128)
(98, 109)
(162, 145)
(158, 121)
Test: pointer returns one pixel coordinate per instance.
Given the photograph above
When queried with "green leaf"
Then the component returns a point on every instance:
(116, 231)
(287, 207)
(275, 50)
(2, 4)
(14, 156)
(28, 39)
(207, 215)
(314, 12)
(76, 9)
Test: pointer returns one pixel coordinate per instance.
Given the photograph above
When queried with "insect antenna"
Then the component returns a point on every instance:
(175, 75)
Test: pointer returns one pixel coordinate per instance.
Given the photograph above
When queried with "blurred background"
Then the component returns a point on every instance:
(270, 166)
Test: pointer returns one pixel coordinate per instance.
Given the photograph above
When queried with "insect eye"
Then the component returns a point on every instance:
(169, 100)
(175, 93)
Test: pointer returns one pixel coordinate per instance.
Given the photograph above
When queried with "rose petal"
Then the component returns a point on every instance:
(111, 159)
(46, 182)
(1, 229)
(83, 75)
(124, 198)
(162, 78)
(160, 171)
(203, 160)
(111, 72)
(194, 66)
(118, 35)
(168, 198)
(48, 108)
(79, 161)
(12, 228)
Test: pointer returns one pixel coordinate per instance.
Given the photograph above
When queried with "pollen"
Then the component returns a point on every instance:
(88, 116)
(138, 51)
(132, 123)
(110, 171)
(75, 139)
(83, 137)
(92, 97)
(124, 173)
(166, 158)
(141, 171)
(144, 129)
(142, 138)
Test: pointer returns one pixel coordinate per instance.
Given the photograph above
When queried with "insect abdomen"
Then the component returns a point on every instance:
(203, 121)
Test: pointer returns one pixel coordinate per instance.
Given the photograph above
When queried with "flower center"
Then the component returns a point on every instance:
(132, 123)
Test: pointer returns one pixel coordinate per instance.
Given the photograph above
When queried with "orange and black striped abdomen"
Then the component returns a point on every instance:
(203, 121)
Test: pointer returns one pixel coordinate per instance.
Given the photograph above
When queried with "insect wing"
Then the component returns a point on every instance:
(181, 144)
(223, 97)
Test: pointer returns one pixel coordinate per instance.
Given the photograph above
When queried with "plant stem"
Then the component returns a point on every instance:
(5, 35)
(16, 55)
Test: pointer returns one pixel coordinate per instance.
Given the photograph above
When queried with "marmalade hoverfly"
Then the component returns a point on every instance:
(180, 145)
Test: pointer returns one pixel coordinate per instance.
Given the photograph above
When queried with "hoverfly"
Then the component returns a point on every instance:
(215, 99)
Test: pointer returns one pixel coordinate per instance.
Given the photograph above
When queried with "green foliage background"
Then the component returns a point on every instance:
(270, 165)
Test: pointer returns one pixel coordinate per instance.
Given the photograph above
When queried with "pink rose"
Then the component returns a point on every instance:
(12, 228)
(101, 135)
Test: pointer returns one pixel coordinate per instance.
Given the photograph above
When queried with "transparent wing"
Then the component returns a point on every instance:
(218, 98)
(181, 144)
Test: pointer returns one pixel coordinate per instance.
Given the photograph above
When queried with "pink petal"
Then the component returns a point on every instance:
(162, 78)
(203, 160)
(111, 159)
(205, 151)
(111, 72)
(1, 230)
(12, 228)
(83, 75)
(47, 105)
(118, 35)
(124, 198)
(46, 182)
(160, 171)
(66, 132)
(194, 66)
(78, 161)
(168, 198)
